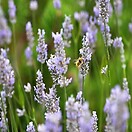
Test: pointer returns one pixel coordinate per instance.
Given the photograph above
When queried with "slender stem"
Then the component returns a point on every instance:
(101, 107)
(12, 117)
(107, 53)
(64, 114)
(81, 85)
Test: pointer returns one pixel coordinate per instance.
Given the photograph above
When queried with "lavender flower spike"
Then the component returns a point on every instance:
(3, 112)
(51, 101)
(42, 47)
(52, 123)
(118, 5)
(7, 77)
(39, 88)
(29, 34)
(5, 32)
(117, 110)
(33, 5)
(12, 11)
(86, 54)
(67, 28)
(57, 4)
(103, 20)
(30, 127)
(58, 63)
(30, 38)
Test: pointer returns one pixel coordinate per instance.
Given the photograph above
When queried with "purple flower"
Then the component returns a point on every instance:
(52, 123)
(5, 32)
(57, 4)
(117, 110)
(130, 27)
(86, 54)
(7, 77)
(72, 112)
(39, 88)
(58, 63)
(82, 18)
(118, 5)
(67, 28)
(78, 115)
(117, 43)
(29, 34)
(30, 127)
(33, 5)
(42, 47)
(30, 38)
(12, 11)
(52, 101)
(3, 112)
(28, 54)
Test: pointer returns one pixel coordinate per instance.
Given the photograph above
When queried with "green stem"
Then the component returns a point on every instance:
(107, 54)
(12, 117)
(64, 114)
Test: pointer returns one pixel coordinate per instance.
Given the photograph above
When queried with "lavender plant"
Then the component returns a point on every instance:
(117, 110)
(7, 77)
(42, 47)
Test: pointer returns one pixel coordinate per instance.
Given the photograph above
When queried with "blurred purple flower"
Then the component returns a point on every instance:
(30, 39)
(130, 27)
(52, 123)
(5, 32)
(118, 5)
(67, 28)
(117, 110)
(57, 4)
(33, 5)
(12, 11)
(28, 54)
(117, 43)
(82, 18)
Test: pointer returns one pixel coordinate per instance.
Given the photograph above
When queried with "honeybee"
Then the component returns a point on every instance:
(79, 62)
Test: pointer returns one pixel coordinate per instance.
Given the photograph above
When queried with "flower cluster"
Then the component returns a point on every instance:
(30, 127)
(5, 32)
(57, 4)
(79, 117)
(30, 38)
(3, 112)
(86, 54)
(82, 18)
(7, 77)
(39, 88)
(12, 11)
(67, 28)
(103, 20)
(42, 47)
(117, 110)
(49, 100)
(58, 63)
(33, 5)
(52, 123)
(118, 5)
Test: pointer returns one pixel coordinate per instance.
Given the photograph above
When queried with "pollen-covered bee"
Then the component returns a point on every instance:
(79, 62)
